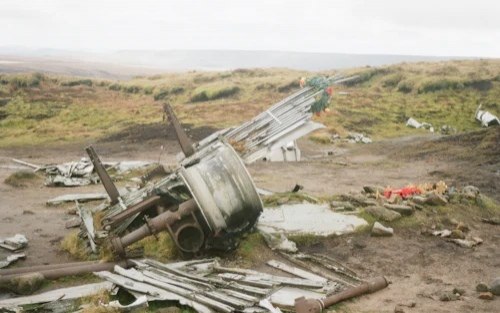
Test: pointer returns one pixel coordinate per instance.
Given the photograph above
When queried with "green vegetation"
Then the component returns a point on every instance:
(38, 108)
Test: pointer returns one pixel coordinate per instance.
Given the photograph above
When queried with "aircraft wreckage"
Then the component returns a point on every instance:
(210, 200)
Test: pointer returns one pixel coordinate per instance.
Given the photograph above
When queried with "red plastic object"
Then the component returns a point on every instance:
(403, 192)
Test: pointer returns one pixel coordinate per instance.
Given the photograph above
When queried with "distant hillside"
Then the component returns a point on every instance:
(40, 108)
(117, 64)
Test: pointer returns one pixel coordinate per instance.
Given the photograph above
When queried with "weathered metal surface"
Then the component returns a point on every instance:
(80, 197)
(11, 259)
(184, 141)
(303, 305)
(106, 180)
(486, 118)
(14, 243)
(57, 295)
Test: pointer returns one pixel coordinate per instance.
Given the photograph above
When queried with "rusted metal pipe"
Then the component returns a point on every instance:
(163, 222)
(31, 269)
(67, 269)
(303, 305)
(134, 209)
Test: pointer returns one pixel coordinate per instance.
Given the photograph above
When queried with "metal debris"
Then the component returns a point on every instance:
(57, 295)
(415, 124)
(11, 259)
(271, 135)
(17, 242)
(80, 197)
(208, 287)
(308, 218)
(486, 118)
(358, 138)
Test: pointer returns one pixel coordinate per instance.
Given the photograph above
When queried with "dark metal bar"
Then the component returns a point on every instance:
(303, 305)
(134, 209)
(103, 175)
(186, 144)
(68, 269)
(21, 270)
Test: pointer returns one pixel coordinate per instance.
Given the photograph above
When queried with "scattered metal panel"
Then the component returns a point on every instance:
(307, 218)
(486, 118)
(80, 197)
(153, 293)
(58, 294)
(296, 271)
(14, 243)
(285, 297)
(11, 259)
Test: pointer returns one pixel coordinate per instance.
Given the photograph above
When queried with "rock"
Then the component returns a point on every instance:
(463, 227)
(459, 291)
(71, 211)
(482, 287)
(373, 189)
(419, 199)
(342, 206)
(400, 208)
(358, 199)
(382, 213)
(435, 199)
(25, 284)
(495, 286)
(449, 296)
(470, 191)
(28, 212)
(457, 234)
(399, 309)
(380, 230)
(486, 296)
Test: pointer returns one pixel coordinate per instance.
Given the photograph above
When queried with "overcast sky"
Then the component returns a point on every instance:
(416, 27)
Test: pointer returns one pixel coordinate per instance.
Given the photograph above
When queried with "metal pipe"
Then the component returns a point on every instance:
(31, 269)
(137, 208)
(68, 269)
(153, 226)
(303, 305)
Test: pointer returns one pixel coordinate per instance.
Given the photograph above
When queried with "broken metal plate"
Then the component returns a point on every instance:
(14, 243)
(306, 218)
(11, 259)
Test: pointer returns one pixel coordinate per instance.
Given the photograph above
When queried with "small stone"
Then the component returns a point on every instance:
(449, 296)
(373, 189)
(457, 234)
(459, 291)
(342, 206)
(470, 191)
(435, 199)
(418, 199)
(71, 211)
(382, 213)
(462, 227)
(495, 286)
(25, 284)
(28, 212)
(486, 296)
(380, 230)
(399, 309)
(482, 287)
(283, 200)
(400, 208)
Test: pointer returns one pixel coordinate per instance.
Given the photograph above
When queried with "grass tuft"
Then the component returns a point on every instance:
(21, 178)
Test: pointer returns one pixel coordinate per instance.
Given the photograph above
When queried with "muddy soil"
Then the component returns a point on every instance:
(418, 266)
